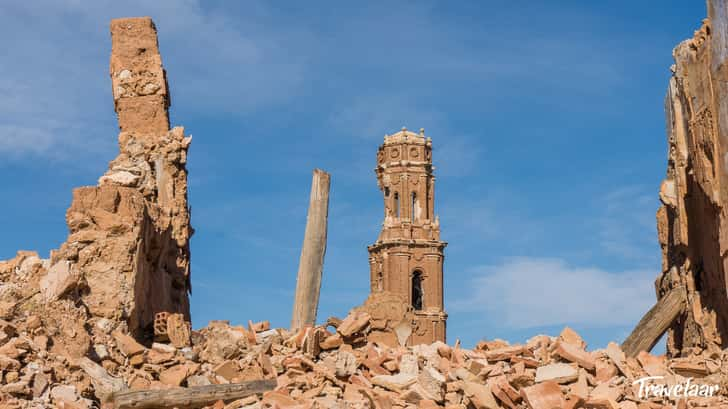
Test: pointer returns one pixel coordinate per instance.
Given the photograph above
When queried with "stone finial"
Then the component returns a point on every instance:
(139, 84)
(422, 131)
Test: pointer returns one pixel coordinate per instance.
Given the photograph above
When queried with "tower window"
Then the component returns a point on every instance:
(417, 290)
(414, 205)
(387, 206)
(427, 200)
(396, 204)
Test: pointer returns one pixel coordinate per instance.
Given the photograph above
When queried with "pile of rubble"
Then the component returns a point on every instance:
(84, 326)
(336, 366)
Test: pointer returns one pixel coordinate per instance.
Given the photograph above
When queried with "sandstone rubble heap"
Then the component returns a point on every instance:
(337, 367)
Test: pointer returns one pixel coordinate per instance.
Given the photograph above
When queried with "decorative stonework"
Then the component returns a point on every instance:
(407, 258)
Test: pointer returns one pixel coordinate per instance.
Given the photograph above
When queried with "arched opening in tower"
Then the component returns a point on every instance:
(417, 290)
(396, 204)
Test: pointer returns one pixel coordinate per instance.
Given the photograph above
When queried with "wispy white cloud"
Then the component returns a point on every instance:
(627, 226)
(16, 138)
(239, 60)
(373, 116)
(497, 215)
(456, 156)
(537, 292)
(464, 218)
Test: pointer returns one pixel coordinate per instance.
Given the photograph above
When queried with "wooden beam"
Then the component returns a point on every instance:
(104, 384)
(311, 264)
(654, 324)
(189, 397)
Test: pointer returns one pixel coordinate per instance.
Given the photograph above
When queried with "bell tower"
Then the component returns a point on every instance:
(407, 258)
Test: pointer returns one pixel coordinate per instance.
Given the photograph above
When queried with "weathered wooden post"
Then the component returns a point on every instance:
(655, 323)
(193, 397)
(311, 264)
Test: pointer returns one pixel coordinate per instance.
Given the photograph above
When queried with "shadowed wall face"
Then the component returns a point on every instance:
(130, 234)
(152, 159)
(127, 254)
(693, 219)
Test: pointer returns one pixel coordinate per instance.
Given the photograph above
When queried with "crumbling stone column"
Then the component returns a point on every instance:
(152, 162)
(127, 256)
(138, 80)
(693, 219)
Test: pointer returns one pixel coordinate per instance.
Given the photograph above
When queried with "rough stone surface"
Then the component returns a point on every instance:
(178, 330)
(127, 253)
(138, 80)
(57, 281)
(692, 221)
(558, 372)
(545, 395)
(355, 371)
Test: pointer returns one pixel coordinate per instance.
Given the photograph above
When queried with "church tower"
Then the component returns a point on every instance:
(407, 258)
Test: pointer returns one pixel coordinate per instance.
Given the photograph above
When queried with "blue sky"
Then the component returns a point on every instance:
(546, 118)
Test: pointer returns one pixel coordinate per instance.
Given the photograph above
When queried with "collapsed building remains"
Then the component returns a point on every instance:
(693, 219)
(104, 321)
(127, 255)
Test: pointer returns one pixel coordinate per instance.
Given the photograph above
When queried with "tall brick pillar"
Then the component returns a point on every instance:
(138, 80)
(129, 235)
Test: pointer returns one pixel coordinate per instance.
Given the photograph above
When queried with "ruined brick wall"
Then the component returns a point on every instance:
(693, 219)
(150, 171)
(127, 255)
(407, 259)
(138, 80)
